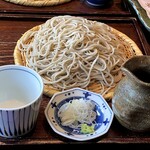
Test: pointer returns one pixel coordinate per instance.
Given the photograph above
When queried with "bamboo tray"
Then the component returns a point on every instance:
(130, 51)
(38, 3)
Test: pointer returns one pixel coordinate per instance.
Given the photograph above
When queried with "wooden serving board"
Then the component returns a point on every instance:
(76, 7)
(43, 136)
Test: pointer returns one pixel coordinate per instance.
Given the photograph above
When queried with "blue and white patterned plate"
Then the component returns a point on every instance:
(104, 114)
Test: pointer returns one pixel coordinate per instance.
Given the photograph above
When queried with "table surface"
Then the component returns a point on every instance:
(76, 7)
(14, 22)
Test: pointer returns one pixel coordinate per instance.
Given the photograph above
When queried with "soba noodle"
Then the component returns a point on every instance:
(70, 51)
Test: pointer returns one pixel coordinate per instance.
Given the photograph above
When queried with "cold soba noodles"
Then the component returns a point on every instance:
(70, 51)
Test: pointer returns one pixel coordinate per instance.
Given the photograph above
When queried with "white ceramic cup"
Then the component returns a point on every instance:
(21, 90)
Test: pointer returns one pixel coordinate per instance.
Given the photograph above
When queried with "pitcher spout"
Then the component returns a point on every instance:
(138, 67)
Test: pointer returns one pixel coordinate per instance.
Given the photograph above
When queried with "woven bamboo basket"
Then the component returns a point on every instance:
(49, 90)
(38, 3)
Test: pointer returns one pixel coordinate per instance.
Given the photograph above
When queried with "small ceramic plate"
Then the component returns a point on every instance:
(102, 121)
(141, 13)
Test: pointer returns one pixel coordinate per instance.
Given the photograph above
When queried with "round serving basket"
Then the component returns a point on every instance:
(131, 50)
(38, 3)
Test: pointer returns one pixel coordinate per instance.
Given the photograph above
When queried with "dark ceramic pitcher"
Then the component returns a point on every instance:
(131, 99)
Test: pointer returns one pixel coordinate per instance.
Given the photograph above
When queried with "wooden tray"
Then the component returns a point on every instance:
(43, 136)
(73, 7)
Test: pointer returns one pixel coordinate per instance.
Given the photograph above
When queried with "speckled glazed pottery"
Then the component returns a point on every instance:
(131, 99)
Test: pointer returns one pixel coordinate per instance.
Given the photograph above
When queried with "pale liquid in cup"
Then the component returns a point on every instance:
(12, 104)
